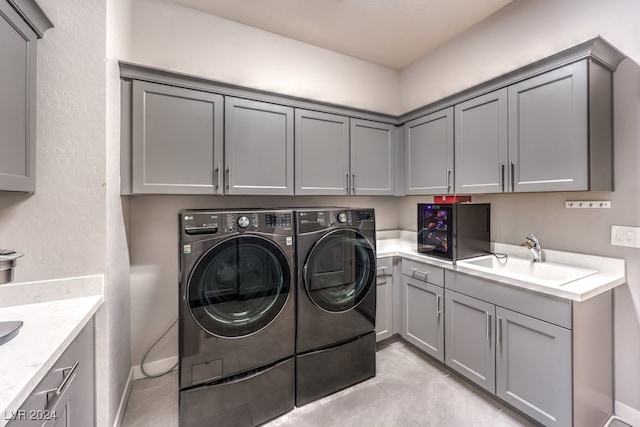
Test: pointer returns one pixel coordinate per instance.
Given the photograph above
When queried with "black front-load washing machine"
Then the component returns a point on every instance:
(335, 339)
(237, 317)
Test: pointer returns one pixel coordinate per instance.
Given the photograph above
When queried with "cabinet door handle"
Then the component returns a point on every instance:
(424, 273)
(228, 170)
(381, 268)
(353, 184)
(217, 176)
(513, 172)
(449, 181)
(499, 332)
(502, 175)
(348, 183)
(66, 381)
(488, 316)
(438, 312)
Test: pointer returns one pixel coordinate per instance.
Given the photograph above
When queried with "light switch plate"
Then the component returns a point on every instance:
(625, 236)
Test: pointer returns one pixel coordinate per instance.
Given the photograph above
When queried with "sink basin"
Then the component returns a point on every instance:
(542, 273)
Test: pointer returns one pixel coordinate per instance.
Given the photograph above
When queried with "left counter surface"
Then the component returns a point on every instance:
(54, 312)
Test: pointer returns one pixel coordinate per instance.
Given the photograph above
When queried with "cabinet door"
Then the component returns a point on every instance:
(322, 153)
(17, 102)
(481, 144)
(469, 338)
(384, 307)
(548, 131)
(429, 153)
(258, 147)
(372, 158)
(533, 367)
(177, 140)
(423, 324)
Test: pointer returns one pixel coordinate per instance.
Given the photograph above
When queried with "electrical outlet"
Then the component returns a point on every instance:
(625, 236)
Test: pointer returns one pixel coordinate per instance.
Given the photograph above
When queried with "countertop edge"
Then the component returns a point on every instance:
(43, 369)
(609, 280)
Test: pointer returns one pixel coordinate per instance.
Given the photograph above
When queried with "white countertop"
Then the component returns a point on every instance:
(54, 312)
(611, 271)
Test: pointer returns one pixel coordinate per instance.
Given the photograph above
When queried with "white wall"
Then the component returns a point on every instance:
(181, 39)
(518, 34)
(154, 256)
(61, 228)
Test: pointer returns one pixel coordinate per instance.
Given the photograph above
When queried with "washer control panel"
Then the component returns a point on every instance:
(203, 224)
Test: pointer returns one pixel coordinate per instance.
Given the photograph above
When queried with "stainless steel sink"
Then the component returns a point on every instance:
(542, 273)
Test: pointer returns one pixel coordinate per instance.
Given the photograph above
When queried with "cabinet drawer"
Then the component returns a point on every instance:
(424, 272)
(384, 267)
(44, 404)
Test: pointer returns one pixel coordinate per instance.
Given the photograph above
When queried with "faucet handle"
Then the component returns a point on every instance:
(531, 241)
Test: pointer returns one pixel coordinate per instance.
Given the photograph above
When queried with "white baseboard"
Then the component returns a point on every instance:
(124, 400)
(627, 414)
(154, 367)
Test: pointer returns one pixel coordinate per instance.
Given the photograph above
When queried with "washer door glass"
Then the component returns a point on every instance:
(239, 286)
(340, 270)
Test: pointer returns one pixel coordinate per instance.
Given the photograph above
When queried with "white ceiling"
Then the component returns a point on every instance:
(392, 33)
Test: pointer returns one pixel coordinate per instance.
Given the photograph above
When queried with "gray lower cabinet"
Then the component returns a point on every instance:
(481, 137)
(422, 305)
(322, 153)
(66, 395)
(470, 338)
(533, 367)
(177, 140)
(18, 102)
(429, 154)
(372, 158)
(258, 148)
(550, 358)
(384, 299)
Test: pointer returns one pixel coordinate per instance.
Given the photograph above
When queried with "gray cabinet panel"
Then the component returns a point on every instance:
(17, 103)
(322, 153)
(423, 323)
(425, 272)
(469, 338)
(177, 140)
(258, 147)
(372, 158)
(533, 367)
(429, 153)
(481, 134)
(548, 131)
(384, 307)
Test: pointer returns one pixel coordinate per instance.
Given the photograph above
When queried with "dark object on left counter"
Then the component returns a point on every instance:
(8, 329)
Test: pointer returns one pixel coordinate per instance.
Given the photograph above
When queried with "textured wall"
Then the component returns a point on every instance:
(61, 228)
(186, 40)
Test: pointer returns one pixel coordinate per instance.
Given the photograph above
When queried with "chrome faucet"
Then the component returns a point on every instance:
(534, 247)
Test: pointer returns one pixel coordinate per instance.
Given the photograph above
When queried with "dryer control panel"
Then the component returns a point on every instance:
(202, 223)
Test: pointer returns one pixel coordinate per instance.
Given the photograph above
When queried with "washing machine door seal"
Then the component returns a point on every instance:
(340, 270)
(239, 286)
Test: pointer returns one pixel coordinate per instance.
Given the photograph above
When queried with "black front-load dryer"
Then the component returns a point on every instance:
(237, 316)
(335, 338)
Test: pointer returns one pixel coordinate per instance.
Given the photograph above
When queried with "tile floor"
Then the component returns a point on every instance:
(408, 390)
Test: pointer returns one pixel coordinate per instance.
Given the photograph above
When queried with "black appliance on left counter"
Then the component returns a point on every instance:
(237, 316)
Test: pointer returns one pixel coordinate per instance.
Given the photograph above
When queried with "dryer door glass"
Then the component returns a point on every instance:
(340, 270)
(239, 286)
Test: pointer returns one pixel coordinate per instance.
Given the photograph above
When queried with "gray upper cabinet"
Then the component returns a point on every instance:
(429, 153)
(534, 368)
(549, 131)
(258, 147)
(469, 338)
(481, 135)
(322, 153)
(177, 140)
(18, 100)
(372, 158)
